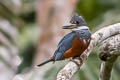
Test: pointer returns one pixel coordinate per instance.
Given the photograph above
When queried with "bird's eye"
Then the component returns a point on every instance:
(76, 22)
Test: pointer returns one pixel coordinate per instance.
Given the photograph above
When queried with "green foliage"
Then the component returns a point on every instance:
(27, 46)
(93, 10)
(27, 56)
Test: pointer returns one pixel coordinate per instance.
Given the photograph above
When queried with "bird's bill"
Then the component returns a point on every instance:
(71, 26)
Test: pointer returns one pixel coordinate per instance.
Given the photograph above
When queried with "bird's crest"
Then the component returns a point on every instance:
(78, 20)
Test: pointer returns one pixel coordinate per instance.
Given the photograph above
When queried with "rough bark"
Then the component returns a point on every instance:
(71, 68)
(110, 50)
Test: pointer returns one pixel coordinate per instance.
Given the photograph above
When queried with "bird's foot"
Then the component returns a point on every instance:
(82, 58)
(75, 62)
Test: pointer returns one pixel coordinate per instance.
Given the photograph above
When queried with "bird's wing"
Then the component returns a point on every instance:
(64, 45)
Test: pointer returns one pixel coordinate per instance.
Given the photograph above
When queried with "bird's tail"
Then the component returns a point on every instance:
(47, 61)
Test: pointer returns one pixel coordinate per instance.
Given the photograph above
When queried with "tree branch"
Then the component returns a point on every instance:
(110, 50)
(71, 68)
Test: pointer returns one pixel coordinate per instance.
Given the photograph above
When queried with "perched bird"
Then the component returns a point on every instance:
(74, 43)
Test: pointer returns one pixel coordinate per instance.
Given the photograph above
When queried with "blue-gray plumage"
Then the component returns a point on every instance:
(64, 45)
(84, 34)
(66, 42)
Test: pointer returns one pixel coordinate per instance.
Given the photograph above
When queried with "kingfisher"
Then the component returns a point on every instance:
(73, 44)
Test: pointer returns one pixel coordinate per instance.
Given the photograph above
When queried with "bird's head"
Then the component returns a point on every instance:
(77, 23)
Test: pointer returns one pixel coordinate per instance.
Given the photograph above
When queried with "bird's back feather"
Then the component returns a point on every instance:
(64, 45)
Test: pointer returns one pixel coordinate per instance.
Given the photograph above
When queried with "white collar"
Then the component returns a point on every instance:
(80, 28)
